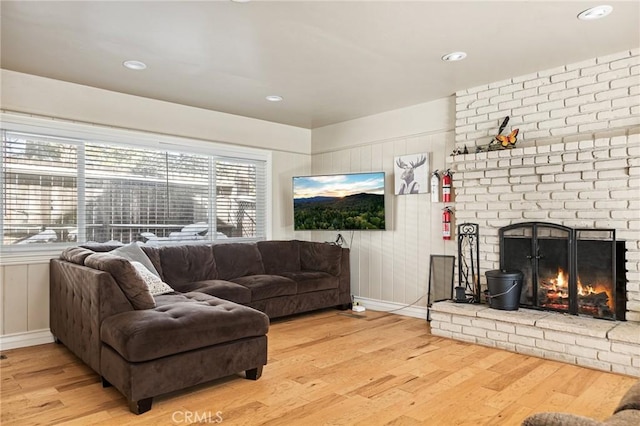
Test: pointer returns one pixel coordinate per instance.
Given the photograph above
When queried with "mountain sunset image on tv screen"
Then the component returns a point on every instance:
(340, 202)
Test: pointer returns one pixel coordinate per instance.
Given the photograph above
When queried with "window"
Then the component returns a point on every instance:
(74, 190)
(39, 189)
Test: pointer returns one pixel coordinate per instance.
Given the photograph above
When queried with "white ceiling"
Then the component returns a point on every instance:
(331, 61)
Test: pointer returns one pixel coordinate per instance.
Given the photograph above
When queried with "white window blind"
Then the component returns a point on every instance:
(124, 193)
(238, 206)
(39, 189)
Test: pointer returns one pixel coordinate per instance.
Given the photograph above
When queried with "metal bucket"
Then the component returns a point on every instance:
(504, 288)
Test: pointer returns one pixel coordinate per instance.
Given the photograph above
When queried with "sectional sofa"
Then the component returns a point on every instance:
(204, 313)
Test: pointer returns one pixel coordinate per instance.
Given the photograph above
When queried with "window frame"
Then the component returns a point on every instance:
(82, 133)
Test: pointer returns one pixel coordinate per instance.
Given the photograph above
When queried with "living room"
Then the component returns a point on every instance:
(584, 107)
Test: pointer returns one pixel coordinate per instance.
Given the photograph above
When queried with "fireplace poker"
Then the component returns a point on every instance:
(473, 269)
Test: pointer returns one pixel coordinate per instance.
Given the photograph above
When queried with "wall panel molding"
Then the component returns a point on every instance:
(28, 338)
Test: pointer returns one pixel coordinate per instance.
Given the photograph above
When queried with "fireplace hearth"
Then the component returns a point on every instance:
(575, 271)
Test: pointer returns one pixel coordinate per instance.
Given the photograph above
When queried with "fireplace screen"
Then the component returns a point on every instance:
(595, 262)
(566, 270)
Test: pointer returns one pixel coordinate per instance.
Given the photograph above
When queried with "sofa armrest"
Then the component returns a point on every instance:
(80, 299)
(321, 257)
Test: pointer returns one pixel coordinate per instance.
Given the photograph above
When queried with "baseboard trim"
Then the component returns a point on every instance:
(397, 308)
(28, 338)
(41, 337)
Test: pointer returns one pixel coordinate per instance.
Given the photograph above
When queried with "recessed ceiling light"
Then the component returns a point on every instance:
(595, 13)
(134, 65)
(454, 56)
(274, 98)
(241, 1)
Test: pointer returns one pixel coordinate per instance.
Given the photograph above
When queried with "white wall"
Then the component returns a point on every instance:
(285, 166)
(24, 287)
(430, 117)
(390, 268)
(54, 98)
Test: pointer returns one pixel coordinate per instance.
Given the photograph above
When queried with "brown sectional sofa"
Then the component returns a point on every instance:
(213, 325)
(278, 278)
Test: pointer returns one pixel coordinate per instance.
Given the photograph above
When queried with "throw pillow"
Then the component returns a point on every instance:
(134, 253)
(126, 277)
(155, 285)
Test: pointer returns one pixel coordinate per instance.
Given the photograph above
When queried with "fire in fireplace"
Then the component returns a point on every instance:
(577, 271)
(596, 300)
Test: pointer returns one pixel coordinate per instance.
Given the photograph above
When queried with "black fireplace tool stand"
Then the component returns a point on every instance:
(468, 289)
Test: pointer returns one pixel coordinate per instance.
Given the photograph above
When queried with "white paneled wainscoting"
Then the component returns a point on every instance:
(390, 268)
(24, 304)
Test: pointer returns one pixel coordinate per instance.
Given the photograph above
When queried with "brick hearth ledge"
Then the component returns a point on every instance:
(604, 345)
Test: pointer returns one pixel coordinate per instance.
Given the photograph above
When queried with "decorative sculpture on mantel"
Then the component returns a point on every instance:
(501, 141)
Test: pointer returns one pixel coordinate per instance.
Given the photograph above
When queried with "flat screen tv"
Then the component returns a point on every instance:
(341, 202)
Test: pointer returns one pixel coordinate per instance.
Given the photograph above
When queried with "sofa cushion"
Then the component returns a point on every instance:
(155, 285)
(134, 253)
(153, 253)
(76, 255)
(267, 286)
(171, 298)
(126, 276)
(179, 324)
(187, 263)
(237, 260)
(101, 247)
(313, 281)
(219, 288)
(280, 256)
(320, 257)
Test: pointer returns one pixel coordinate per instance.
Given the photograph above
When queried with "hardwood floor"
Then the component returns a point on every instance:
(327, 367)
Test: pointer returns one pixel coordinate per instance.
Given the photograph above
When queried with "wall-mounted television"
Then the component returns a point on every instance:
(340, 202)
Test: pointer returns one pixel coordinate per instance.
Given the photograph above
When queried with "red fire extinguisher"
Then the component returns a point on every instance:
(446, 186)
(446, 223)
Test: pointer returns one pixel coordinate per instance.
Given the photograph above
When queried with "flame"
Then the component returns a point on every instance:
(585, 290)
(562, 280)
(560, 286)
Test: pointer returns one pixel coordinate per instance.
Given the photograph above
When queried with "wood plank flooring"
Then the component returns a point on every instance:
(327, 367)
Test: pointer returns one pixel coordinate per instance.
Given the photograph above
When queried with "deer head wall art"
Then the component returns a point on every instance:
(411, 174)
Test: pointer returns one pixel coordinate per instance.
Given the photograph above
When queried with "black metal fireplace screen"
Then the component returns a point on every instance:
(576, 271)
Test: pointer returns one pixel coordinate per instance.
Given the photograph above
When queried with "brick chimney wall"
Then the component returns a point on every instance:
(576, 161)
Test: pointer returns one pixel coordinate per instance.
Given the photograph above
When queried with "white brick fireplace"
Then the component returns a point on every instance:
(577, 164)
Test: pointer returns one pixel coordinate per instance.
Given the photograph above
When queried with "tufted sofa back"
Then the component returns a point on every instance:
(237, 260)
(187, 263)
(280, 256)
